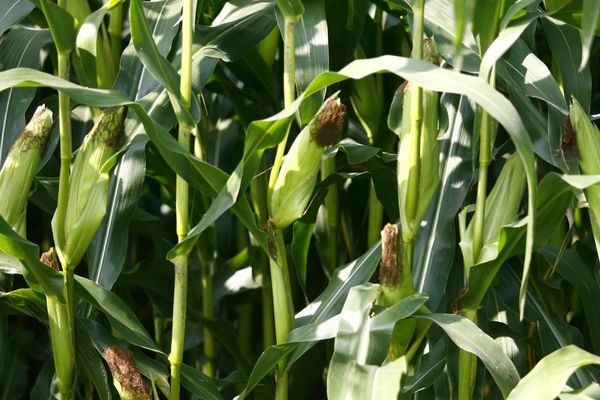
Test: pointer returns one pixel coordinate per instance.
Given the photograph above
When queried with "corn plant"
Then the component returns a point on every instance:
(299, 199)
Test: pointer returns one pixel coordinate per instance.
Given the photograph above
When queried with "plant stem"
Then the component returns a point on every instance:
(208, 311)
(467, 366)
(61, 315)
(64, 125)
(484, 162)
(416, 110)
(62, 340)
(258, 193)
(115, 28)
(283, 306)
(182, 208)
(289, 92)
(331, 206)
(375, 217)
(282, 303)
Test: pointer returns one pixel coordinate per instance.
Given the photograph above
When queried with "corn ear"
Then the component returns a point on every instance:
(126, 377)
(587, 140)
(395, 275)
(429, 178)
(297, 177)
(88, 186)
(21, 165)
(501, 208)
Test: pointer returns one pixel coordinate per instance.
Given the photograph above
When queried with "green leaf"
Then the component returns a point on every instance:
(549, 377)
(25, 302)
(199, 384)
(43, 383)
(311, 48)
(12, 12)
(38, 275)
(349, 375)
(63, 26)
(562, 37)
(553, 201)
(436, 241)
(265, 364)
(19, 48)
(106, 254)
(201, 175)
(466, 335)
(89, 360)
(554, 333)
(133, 78)
(122, 318)
(330, 301)
(431, 366)
(575, 270)
(157, 65)
(590, 12)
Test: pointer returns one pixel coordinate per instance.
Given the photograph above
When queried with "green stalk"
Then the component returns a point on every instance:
(289, 91)
(375, 217)
(182, 208)
(467, 362)
(484, 162)
(208, 311)
(283, 306)
(61, 315)
(64, 126)
(331, 206)
(204, 252)
(467, 365)
(375, 207)
(61, 338)
(115, 28)
(258, 193)
(416, 110)
(414, 161)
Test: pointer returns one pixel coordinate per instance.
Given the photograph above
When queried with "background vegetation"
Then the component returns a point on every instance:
(214, 240)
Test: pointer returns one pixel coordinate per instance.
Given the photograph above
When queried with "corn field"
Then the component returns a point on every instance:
(299, 199)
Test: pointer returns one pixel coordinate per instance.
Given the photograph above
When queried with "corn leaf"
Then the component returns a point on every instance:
(435, 243)
(549, 377)
(19, 48)
(466, 335)
(12, 12)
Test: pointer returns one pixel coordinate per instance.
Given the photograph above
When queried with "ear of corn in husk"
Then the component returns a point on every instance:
(20, 167)
(587, 140)
(127, 379)
(429, 158)
(88, 186)
(501, 208)
(297, 177)
(399, 120)
(395, 276)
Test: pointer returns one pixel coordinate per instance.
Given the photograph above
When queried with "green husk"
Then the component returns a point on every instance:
(20, 167)
(298, 174)
(88, 186)
(587, 139)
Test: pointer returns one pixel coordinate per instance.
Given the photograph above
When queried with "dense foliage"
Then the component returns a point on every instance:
(363, 199)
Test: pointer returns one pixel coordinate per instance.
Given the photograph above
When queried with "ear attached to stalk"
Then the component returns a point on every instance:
(88, 186)
(21, 165)
(298, 174)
